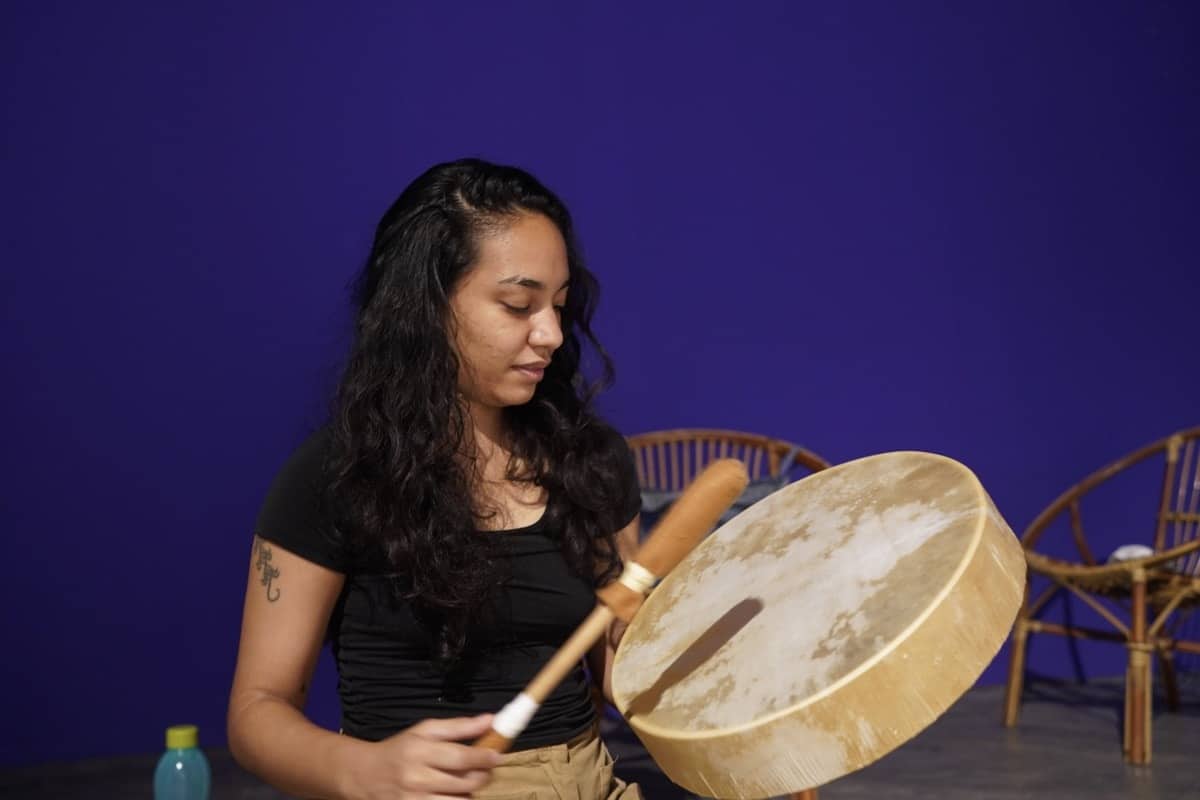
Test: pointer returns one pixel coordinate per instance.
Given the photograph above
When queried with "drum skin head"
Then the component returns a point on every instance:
(821, 628)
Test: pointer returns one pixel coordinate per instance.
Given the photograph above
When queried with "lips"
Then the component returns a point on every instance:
(534, 371)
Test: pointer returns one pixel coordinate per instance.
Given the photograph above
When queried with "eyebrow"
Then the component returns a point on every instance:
(529, 283)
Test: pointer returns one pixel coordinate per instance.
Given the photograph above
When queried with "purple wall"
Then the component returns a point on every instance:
(971, 231)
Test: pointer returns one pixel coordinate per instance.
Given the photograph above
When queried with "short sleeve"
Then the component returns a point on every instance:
(292, 514)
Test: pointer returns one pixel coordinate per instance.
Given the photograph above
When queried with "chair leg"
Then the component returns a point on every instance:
(1138, 685)
(1016, 673)
(1166, 665)
(807, 794)
(1138, 707)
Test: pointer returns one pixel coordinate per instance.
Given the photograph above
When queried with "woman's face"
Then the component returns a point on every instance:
(507, 312)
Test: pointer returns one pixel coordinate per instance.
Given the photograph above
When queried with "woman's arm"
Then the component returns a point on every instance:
(600, 657)
(288, 604)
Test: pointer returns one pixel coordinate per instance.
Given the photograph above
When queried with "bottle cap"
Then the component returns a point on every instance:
(181, 737)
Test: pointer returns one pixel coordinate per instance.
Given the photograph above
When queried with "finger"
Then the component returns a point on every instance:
(450, 782)
(454, 728)
(454, 757)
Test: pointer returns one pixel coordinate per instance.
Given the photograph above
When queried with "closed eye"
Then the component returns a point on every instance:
(516, 309)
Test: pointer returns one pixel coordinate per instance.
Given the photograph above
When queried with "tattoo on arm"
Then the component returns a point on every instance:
(268, 572)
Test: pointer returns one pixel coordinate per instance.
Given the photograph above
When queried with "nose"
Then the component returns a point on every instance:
(546, 332)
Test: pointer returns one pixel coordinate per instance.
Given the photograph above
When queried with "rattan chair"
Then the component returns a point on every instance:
(1139, 598)
(669, 460)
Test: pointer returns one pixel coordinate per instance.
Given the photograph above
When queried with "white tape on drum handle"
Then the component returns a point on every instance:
(637, 578)
(512, 719)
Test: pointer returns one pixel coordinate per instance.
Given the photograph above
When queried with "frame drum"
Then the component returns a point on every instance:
(821, 628)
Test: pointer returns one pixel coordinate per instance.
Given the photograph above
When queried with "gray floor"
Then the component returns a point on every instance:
(1067, 745)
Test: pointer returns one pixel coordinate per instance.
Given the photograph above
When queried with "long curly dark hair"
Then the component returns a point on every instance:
(397, 479)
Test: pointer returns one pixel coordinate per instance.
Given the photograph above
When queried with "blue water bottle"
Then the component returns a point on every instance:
(182, 772)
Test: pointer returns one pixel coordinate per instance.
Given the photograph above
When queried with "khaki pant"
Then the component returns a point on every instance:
(581, 769)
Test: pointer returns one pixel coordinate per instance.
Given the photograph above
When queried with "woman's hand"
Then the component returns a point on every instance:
(426, 761)
(616, 632)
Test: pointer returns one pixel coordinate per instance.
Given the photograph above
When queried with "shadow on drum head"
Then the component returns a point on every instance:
(697, 653)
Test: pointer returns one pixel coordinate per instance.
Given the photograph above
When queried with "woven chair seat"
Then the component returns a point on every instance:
(1160, 568)
(1161, 587)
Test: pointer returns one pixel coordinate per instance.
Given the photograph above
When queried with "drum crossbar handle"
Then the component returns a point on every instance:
(688, 521)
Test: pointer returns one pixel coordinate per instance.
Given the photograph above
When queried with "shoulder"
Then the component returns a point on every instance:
(598, 439)
(610, 436)
(611, 452)
(309, 456)
(294, 513)
(304, 468)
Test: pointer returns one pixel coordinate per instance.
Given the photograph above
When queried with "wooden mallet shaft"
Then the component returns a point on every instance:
(686, 522)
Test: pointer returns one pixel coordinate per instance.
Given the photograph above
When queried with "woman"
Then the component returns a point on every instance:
(448, 528)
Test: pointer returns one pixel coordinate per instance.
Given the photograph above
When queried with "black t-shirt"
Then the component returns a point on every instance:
(386, 680)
